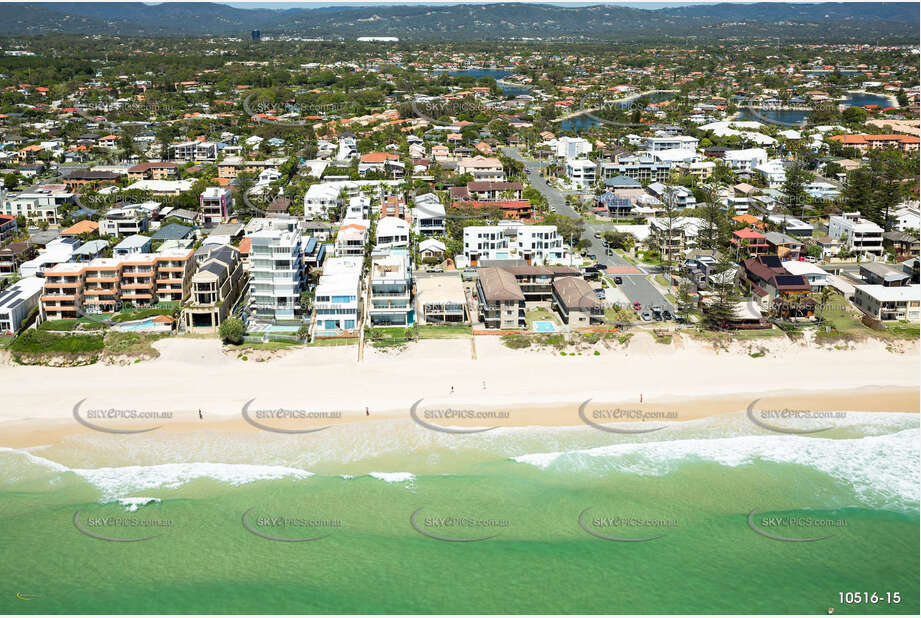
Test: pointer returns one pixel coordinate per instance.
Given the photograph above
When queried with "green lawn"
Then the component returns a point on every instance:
(58, 325)
(433, 331)
(35, 341)
(140, 314)
(904, 330)
(334, 342)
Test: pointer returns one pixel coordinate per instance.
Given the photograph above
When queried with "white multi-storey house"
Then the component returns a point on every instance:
(277, 275)
(581, 173)
(860, 235)
(536, 244)
(337, 297)
(391, 289)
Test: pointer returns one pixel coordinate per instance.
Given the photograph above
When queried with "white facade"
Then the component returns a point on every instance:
(671, 142)
(860, 235)
(581, 173)
(391, 232)
(537, 244)
(746, 160)
(17, 301)
(773, 173)
(572, 147)
(337, 296)
(320, 198)
(428, 215)
(277, 275)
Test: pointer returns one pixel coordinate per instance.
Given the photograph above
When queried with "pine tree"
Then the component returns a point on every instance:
(721, 307)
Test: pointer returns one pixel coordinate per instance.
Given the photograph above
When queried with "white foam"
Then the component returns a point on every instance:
(133, 504)
(122, 481)
(883, 470)
(393, 477)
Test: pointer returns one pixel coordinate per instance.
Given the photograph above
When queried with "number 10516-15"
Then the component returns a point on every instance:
(869, 597)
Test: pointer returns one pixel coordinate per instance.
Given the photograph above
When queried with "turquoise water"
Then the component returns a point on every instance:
(521, 490)
(142, 325)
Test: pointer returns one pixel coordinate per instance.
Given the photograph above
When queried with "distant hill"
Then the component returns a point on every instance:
(830, 21)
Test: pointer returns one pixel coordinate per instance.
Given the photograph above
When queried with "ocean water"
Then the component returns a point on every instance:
(388, 517)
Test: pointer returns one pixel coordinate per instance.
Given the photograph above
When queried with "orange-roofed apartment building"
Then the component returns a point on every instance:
(105, 285)
(863, 143)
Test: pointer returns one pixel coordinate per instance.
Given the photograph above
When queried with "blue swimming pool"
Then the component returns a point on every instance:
(145, 324)
(544, 326)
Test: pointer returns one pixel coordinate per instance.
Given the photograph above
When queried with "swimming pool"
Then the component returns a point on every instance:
(145, 324)
(544, 326)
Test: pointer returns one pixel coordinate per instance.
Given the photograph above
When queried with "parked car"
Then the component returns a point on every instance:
(667, 315)
(637, 306)
(597, 234)
(647, 317)
(618, 280)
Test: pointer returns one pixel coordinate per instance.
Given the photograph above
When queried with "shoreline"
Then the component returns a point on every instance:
(28, 433)
(893, 100)
(537, 388)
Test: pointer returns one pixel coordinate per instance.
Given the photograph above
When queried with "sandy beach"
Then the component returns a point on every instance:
(501, 387)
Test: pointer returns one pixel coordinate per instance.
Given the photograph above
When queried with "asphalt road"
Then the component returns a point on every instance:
(636, 287)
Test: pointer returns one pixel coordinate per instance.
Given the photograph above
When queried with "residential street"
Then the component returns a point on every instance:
(636, 287)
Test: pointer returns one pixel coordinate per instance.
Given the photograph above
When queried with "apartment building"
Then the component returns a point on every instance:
(576, 302)
(670, 142)
(278, 274)
(535, 244)
(105, 284)
(214, 288)
(642, 169)
(745, 161)
(860, 235)
(572, 147)
(154, 170)
(501, 303)
(337, 298)
(216, 204)
(194, 151)
(674, 236)
(391, 286)
(230, 167)
(124, 222)
(41, 203)
(863, 143)
(581, 173)
(482, 168)
(8, 227)
(320, 199)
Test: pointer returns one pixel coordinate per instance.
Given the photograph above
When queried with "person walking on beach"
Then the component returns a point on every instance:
(367, 413)
(641, 397)
(452, 390)
(200, 417)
